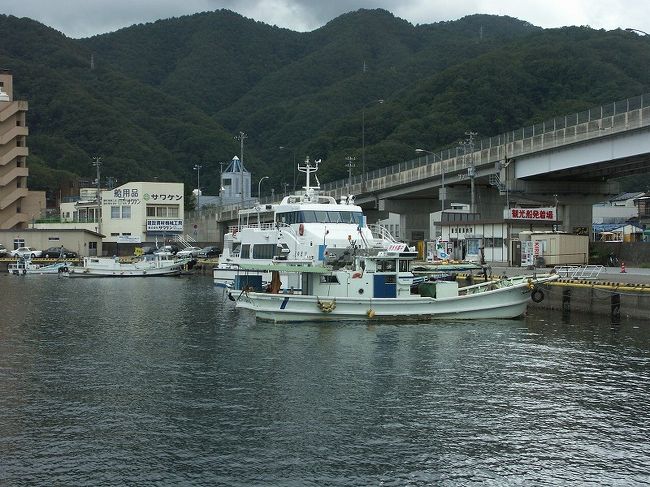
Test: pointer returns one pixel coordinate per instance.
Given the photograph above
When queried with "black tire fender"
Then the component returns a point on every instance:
(537, 295)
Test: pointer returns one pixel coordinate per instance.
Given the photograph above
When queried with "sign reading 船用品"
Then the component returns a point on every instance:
(535, 214)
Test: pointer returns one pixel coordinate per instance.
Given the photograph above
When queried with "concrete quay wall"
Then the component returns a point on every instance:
(607, 301)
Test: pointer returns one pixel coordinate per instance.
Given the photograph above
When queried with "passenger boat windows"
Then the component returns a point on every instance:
(322, 216)
(404, 265)
(324, 279)
(245, 251)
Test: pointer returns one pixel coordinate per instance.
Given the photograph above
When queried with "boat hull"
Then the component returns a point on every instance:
(21, 269)
(83, 272)
(103, 267)
(508, 302)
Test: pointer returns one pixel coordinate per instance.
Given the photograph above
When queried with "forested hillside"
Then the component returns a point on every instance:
(163, 96)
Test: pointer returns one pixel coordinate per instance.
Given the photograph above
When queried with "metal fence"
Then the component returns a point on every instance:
(620, 116)
(590, 124)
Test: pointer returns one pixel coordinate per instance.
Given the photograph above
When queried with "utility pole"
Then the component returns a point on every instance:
(197, 168)
(97, 162)
(471, 171)
(241, 137)
(350, 165)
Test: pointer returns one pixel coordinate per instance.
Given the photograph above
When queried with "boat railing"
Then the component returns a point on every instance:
(256, 226)
(285, 227)
(381, 232)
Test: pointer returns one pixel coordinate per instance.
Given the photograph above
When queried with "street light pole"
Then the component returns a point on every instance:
(442, 173)
(197, 168)
(259, 187)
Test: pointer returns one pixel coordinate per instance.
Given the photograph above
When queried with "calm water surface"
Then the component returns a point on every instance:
(159, 381)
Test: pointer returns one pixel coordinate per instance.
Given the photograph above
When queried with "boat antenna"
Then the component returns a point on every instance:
(308, 169)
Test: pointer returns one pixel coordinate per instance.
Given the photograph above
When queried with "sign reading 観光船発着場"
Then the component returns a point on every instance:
(537, 214)
(155, 225)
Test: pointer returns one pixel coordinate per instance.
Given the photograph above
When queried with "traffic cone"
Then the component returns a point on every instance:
(623, 271)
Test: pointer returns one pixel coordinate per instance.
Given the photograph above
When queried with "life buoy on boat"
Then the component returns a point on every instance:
(301, 230)
(537, 295)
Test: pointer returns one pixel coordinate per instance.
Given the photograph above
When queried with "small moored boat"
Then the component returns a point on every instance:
(25, 266)
(381, 286)
(147, 266)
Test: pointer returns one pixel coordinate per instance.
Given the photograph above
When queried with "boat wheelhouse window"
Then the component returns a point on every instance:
(264, 251)
(324, 279)
(245, 251)
(386, 265)
(404, 265)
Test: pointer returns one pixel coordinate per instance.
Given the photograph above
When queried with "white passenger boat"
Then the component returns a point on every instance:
(146, 266)
(380, 286)
(25, 266)
(305, 228)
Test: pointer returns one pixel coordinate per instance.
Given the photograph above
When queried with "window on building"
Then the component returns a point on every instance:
(115, 212)
(19, 242)
(126, 212)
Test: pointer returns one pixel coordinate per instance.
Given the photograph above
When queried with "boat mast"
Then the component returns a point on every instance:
(308, 169)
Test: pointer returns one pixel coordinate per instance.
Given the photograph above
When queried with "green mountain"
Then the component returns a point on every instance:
(163, 96)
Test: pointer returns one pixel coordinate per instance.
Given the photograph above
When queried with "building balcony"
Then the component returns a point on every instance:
(11, 154)
(12, 109)
(13, 174)
(13, 220)
(15, 195)
(13, 133)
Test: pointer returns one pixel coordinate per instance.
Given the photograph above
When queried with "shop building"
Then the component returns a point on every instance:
(134, 214)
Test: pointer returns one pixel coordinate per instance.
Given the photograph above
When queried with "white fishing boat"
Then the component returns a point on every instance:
(25, 266)
(303, 228)
(380, 286)
(145, 266)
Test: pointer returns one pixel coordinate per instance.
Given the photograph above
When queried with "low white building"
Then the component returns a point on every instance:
(135, 213)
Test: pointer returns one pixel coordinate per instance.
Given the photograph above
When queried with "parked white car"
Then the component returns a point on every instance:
(26, 252)
(189, 252)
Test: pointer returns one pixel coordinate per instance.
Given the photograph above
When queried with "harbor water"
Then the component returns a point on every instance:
(161, 382)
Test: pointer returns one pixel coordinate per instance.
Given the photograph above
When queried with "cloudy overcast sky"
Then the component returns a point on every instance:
(83, 18)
